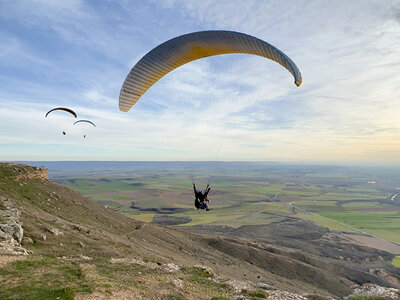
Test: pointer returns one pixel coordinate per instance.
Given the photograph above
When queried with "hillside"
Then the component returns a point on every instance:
(56, 243)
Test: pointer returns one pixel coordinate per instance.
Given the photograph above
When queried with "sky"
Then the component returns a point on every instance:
(77, 54)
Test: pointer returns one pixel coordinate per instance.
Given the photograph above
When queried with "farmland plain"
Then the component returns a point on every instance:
(342, 198)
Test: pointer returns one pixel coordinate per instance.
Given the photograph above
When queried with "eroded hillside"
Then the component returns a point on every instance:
(56, 243)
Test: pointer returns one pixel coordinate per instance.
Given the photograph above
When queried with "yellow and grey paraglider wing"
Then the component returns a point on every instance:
(189, 47)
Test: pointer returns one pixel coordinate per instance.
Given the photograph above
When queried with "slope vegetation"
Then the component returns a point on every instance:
(60, 244)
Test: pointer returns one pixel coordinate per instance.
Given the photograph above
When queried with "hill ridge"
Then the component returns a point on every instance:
(100, 253)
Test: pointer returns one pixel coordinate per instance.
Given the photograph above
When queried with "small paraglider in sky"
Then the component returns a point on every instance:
(62, 109)
(85, 121)
(70, 111)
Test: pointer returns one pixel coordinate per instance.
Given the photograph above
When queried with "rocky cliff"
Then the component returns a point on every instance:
(25, 172)
(11, 231)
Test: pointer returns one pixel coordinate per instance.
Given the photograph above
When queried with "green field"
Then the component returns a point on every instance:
(396, 262)
(253, 195)
(385, 224)
(322, 221)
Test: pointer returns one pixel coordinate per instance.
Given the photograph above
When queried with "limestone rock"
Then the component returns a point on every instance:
(54, 231)
(239, 286)
(11, 231)
(11, 225)
(279, 295)
(264, 286)
(76, 259)
(85, 257)
(27, 240)
(178, 283)
(171, 268)
(373, 290)
(12, 247)
(40, 173)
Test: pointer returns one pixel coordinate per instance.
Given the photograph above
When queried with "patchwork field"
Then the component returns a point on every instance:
(350, 199)
(396, 261)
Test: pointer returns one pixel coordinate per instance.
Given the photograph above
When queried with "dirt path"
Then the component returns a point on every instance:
(372, 242)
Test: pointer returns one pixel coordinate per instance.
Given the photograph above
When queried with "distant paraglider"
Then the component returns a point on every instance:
(85, 121)
(72, 113)
(189, 47)
(62, 109)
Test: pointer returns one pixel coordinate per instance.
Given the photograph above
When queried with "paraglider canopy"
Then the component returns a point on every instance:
(189, 47)
(85, 121)
(62, 109)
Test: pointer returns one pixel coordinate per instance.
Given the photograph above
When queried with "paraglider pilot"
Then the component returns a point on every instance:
(201, 201)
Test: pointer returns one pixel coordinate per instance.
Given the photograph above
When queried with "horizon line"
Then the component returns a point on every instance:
(213, 161)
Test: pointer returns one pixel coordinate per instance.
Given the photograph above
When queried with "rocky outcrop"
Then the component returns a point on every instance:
(53, 230)
(11, 231)
(23, 172)
(280, 295)
(372, 290)
(33, 172)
